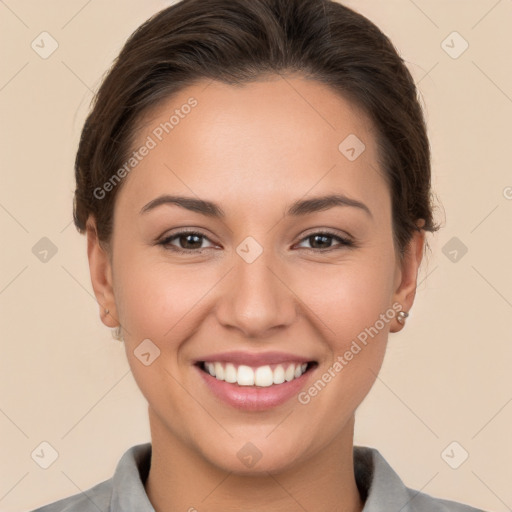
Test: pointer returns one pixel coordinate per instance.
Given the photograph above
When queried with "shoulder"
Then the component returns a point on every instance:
(384, 491)
(124, 491)
(421, 502)
(95, 499)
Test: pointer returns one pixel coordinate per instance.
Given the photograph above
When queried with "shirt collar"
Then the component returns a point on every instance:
(376, 479)
(128, 491)
(380, 486)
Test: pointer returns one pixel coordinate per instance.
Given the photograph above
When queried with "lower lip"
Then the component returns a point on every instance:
(254, 398)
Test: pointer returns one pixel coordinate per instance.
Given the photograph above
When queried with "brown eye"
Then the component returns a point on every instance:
(323, 241)
(188, 242)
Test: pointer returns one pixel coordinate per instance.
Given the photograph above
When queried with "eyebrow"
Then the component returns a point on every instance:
(298, 208)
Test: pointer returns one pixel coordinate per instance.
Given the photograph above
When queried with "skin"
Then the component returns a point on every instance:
(254, 150)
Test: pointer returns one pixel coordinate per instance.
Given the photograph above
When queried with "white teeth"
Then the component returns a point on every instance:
(262, 376)
(289, 374)
(219, 371)
(230, 373)
(279, 375)
(245, 376)
(211, 369)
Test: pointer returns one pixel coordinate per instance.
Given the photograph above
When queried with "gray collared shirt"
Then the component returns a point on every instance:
(378, 484)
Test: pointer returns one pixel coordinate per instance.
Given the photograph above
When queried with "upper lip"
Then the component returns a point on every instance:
(253, 359)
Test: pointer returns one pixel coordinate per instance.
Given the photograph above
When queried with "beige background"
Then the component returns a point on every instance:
(446, 376)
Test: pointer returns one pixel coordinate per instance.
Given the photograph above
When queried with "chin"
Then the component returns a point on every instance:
(256, 455)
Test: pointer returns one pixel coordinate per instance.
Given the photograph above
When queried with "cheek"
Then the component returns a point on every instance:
(350, 297)
(153, 298)
(159, 301)
(353, 304)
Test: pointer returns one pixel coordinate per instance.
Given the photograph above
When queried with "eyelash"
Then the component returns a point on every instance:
(344, 242)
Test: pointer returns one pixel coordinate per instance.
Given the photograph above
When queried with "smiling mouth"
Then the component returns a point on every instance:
(260, 376)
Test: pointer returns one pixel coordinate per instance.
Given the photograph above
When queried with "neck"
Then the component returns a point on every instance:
(181, 479)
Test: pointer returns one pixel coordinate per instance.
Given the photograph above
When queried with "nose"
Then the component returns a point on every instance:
(256, 298)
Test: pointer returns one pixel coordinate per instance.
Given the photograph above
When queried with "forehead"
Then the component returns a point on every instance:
(280, 139)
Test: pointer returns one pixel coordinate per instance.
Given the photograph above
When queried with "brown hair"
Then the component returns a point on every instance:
(238, 41)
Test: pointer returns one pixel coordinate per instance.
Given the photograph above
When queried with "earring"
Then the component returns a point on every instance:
(117, 334)
(402, 315)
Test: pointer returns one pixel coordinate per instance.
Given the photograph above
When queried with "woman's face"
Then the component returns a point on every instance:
(266, 284)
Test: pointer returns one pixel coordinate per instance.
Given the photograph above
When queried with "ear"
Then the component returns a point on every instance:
(101, 275)
(407, 274)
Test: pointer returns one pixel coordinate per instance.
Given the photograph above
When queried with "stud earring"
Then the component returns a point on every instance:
(402, 315)
(117, 334)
